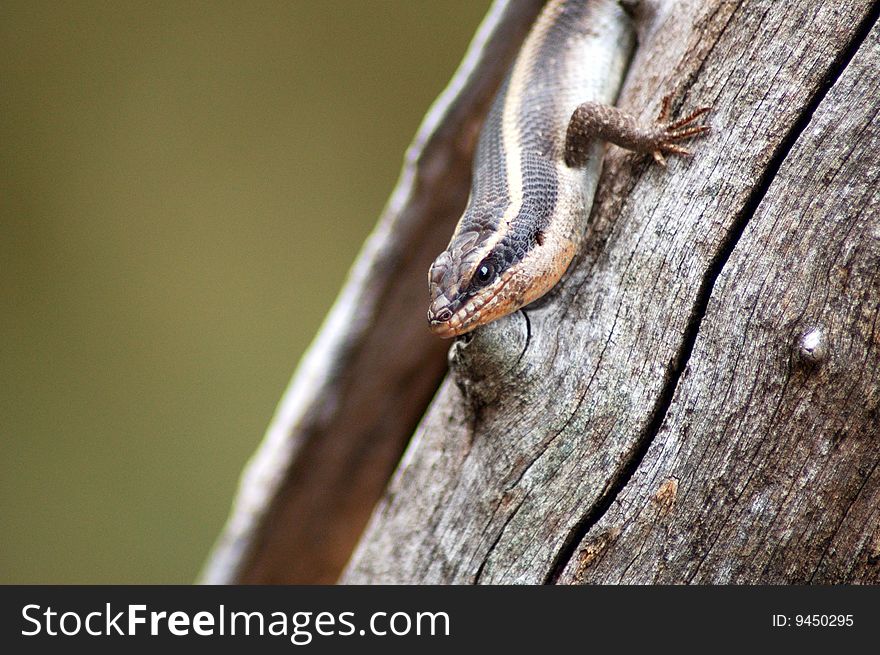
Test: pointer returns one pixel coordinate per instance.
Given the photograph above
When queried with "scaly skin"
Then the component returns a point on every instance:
(537, 164)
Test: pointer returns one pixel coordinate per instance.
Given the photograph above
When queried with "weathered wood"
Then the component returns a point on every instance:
(360, 390)
(568, 445)
(765, 467)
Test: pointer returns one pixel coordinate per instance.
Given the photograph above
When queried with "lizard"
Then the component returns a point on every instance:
(537, 164)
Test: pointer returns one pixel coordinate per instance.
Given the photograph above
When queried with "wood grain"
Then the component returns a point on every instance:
(654, 418)
(772, 441)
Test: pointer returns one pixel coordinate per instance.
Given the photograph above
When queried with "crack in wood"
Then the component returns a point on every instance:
(569, 546)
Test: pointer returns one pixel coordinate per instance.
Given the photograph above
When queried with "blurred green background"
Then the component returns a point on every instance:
(183, 186)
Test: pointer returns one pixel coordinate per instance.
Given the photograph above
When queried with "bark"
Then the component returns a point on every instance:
(698, 401)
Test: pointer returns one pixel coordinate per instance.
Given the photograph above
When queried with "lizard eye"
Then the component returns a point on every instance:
(485, 273)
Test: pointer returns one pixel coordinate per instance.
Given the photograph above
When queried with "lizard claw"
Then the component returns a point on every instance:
(669, 133)
(674, 149)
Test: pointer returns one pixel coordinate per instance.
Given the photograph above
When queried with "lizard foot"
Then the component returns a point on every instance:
(669, 133)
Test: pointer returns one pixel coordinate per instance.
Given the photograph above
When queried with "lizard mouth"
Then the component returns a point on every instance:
(473, 312)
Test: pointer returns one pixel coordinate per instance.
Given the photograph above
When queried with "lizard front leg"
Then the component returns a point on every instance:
(593, 120)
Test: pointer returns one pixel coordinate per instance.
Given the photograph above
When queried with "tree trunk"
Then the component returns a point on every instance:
(699, 399)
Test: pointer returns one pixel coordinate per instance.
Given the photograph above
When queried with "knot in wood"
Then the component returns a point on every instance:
(812, 346)
(483, 363)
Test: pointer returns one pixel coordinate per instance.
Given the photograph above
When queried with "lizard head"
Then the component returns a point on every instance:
(480, 278)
